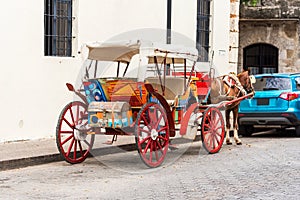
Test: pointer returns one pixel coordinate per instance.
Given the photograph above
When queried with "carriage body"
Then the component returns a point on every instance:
(130, 89)
(150, 91)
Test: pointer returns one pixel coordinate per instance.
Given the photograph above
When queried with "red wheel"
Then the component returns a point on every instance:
(71, 133)
(152, 134)
(212, 130)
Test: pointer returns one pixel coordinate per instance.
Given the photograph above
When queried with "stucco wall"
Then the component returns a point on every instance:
(33, 90)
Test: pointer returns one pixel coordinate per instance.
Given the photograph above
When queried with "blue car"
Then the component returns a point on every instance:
(276, 104)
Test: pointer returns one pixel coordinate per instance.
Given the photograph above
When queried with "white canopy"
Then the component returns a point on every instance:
(124, 51)
(119, 51)
(170, 53)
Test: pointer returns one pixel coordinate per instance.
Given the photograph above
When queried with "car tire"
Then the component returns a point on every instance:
(298, 131)
(245, 130)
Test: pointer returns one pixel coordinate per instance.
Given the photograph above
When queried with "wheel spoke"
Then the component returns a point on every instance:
(152, 116)
(72, 116)
(208, 118)
(77, 115)
(67, 139)
(70, 125)
(158, 121)
(70, 147)
(147, 147)
(217, 139)
(87, 143)
(145, 131)
(151, 151)
(75, 150)
(216, 142)
(80, 147)
(215, 120)
(162, 138)
(156, 150)
(145, 120)
(160, 148)
(145, 139)
(67, 132)
(219, 127)
(206, 125)
(208, 137)
(162, 129)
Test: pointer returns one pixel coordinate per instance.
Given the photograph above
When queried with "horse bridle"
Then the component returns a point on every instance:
(238, 85)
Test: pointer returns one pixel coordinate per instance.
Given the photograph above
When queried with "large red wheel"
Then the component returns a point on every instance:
(212, 130)
(73, 142)
(152, 134)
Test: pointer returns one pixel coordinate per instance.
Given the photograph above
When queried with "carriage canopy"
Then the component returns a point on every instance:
(124, 51)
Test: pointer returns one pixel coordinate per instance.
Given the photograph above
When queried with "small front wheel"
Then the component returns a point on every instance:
(212, 130)
(152, 134)
(73, 142)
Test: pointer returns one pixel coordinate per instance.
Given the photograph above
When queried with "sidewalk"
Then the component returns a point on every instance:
(25, 153)
(33, 152)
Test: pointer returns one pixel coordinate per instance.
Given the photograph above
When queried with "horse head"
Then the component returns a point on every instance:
(246, 81)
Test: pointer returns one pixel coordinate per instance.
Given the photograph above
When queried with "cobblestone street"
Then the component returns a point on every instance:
(261, 168)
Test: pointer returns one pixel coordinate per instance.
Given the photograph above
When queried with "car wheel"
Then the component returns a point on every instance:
(245, 130)
(298, 131)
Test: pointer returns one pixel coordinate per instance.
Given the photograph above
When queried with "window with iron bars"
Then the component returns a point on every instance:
(58, 28)
(202, 35)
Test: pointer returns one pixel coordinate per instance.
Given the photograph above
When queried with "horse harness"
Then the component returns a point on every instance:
(232, 81)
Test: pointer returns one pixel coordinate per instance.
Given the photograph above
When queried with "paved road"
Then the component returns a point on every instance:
(262, 168)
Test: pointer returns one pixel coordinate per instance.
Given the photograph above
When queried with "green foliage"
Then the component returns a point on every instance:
(250, 2)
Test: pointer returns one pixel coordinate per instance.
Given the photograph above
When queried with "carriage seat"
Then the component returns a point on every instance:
(174, 86)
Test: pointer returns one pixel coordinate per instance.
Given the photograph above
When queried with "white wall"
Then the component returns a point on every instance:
(219, 40)
(184, 18)
(101, 20)
(33, 90)
(32, 86)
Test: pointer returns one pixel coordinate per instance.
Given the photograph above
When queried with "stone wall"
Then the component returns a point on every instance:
(274, 22)
(272, 9)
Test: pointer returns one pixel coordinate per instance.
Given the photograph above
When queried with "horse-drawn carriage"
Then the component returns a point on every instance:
(144, 90)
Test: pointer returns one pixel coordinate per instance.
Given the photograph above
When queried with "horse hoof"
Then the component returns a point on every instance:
(239, 143)
(229, 143)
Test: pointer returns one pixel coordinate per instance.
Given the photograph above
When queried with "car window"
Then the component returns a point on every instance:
(272, 83)
(297, 80)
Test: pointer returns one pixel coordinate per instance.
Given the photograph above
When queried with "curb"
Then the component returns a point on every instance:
(44, 159)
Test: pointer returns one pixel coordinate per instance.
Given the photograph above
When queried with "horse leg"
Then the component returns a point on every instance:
(227, 117)
(235, 126)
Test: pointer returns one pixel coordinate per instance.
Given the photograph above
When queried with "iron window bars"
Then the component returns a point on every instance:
(58, 28)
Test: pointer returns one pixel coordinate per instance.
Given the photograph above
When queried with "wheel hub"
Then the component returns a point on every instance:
(154, 134)
(80, 133)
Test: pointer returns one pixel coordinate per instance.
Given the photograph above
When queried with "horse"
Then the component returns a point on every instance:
(227, 88)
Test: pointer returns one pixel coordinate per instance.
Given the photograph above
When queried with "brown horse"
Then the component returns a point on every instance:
(229, 87)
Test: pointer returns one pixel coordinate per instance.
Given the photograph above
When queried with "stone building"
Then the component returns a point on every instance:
(269, 36)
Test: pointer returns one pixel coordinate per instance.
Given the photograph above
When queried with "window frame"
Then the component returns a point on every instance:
(203, 29)
(264, 58)
(58, 28)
